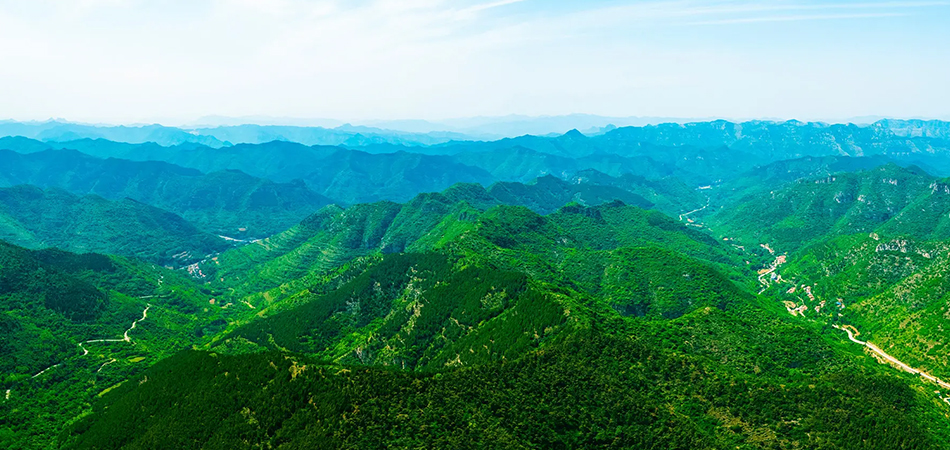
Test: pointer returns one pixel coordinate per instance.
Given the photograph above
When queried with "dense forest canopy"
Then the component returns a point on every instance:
(723, 285)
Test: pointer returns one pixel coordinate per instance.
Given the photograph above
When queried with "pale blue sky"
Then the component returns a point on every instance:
(125, 61)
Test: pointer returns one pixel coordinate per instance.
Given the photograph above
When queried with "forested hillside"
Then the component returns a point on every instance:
(37, 218)
(74, 325)
(710, 285)
(475, 224)
(891, 289)
(587, 391)
(284, 263)
(889, 199)
(227, 202)
(492, 336)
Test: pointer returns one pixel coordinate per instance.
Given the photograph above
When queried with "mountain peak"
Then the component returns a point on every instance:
(575, 134)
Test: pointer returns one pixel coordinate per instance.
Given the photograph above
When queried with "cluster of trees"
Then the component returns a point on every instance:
(52, 300)
(456, 320)
(592, 390)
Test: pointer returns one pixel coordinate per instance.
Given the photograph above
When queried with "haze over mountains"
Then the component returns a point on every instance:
(254, 130)
(661, 286)
(475, 224)
(222, 131)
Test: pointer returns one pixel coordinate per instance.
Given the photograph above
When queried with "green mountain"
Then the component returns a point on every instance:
(559, 397)
(513, 334)
(331, 237)
(926, 217)
(668, 195)
(865, 250)
(772, 176)
(226, 202)
(549, 193)
(884, 198)
(364, 320)
(347, 176)
(709, 285)
(358, 177)
(37, 218)
(72, 326)
(280, 265)
(892, 289)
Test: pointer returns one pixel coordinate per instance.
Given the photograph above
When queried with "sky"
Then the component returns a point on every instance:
(174, 61)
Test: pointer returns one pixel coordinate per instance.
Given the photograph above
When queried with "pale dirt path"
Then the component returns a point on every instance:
(46, 369)
(686, 214)
(125, 338)
(852, 335)
(106, 364)
(900, 364)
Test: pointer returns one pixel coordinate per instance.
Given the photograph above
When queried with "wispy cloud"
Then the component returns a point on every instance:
(874, 5)
(485, 6)
(432, 58)
(687, 12)
(797, 18)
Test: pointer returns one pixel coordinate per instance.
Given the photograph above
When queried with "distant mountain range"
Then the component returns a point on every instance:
(697, 153)
(221, 136)
(410, 133)
(36, 218)
(520, 125)
(227, 202)
(682, 285)
(64, 131)
(482, 128)
(490, 128)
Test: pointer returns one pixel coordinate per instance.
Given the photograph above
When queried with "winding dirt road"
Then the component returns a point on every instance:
(894, 361)
(82, 345)
(47, 369)
(852, 336)
(125, 336)
(686, 214)
(106, 364)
